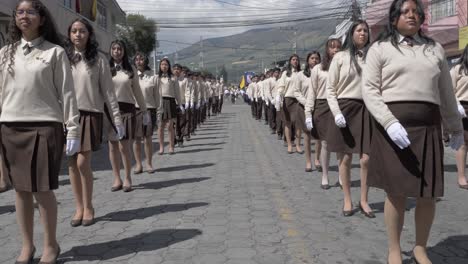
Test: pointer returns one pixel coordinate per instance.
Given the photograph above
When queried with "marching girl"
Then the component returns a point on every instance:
(93, 87)
(189, 104)
(150, 92)
(349, 131)
(38, 99)
(459, 75)
(408, 90)
(128, 92)
(167, 112)
(301, 92)
(317, 111)
(196, 102)
(286, 86)
(179, 75)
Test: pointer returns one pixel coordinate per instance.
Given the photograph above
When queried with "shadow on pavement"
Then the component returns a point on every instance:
(164, 184)
(450, 168)
(207, 144)
(142, 213)
(185, 167)
(451, 250)
(197, 150)
(149, 241)
(7, 209)
(201, 138)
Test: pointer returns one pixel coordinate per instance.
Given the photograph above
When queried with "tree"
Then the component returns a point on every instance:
(223, 73)
(139, 33)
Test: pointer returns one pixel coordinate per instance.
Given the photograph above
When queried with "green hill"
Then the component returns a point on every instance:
(250, 50)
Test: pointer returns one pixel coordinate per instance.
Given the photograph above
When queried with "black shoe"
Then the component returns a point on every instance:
(127, 188)
(319, 168)
(30, 259)
(180, 144)
(367, 214)
(53, 261)
(348, 213)
(325, 186)
(5, 189)
(280, 137)
(116, 188)
(75, 223)
(308, 170)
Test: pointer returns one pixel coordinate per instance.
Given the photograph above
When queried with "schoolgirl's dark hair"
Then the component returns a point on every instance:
(391, 32)
(47, 30)
(328, 58)
(307, 69)
(145, 59)
(464, 62)
(126, 66)
(289, 67)
(169, 71)
(91, 52)
(351, 47)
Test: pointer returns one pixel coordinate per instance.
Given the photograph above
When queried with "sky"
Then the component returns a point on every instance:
(175, 12)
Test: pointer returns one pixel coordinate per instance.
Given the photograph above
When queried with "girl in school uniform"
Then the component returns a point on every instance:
(93, 87)
(408, 90)
(127, 89)
(168, 87)
(38, 103)
(316, 109)
(349, 129)
(151, 94)
(300, 92)
(286, 86)
(459, 75)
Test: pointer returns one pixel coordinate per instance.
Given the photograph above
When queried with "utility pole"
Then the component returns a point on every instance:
(201, 53)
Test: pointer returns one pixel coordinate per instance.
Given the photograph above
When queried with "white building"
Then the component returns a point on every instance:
(108, 15)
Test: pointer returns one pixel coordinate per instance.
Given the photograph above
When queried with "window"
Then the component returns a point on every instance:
(441, 9)
(67, 3)
(101, 15)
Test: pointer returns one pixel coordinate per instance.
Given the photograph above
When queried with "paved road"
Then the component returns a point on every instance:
(233, 195)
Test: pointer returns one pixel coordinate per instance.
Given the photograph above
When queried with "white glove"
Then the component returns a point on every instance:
(398, 135)
(340, 120)
(256, 99)
(461, 110)
(182, 109)
(120, 131)
(73, 145)
(197, 106)
(187, 106)
(309, 123)
(456, 141)
(278, 98)
(267, 103)
(146, 118)
(220, 97)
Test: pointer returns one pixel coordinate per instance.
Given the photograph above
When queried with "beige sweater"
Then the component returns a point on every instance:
(301, 91)
(150, 90)
(169, 88)
(343, 80)
(287, 85)
(459, 83)
(418, 73)
(270, 84)
(41, 89)
(128, 90)
(318, 88)
(94, 87)
(189, 92)
(183, 82)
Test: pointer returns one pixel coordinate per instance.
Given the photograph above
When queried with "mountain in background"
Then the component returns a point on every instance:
(255, 50)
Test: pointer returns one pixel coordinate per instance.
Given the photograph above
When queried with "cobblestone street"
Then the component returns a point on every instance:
(233, 195)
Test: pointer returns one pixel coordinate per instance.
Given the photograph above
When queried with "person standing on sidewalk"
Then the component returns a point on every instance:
(179, 74)
(128, 92)
(459, 75)
(408, 90)
(301, 92)
(93, 87)
(350, 128)
(150, 92)
(38, 108)
(316, 109)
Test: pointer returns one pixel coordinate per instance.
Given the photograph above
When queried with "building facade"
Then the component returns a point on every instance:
(104, 15)
(443, 20)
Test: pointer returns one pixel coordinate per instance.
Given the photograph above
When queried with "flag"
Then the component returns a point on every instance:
(242, 83)
(248, 76)
(94, 10)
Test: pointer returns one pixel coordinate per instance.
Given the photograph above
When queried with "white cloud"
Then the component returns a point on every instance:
(212, 11)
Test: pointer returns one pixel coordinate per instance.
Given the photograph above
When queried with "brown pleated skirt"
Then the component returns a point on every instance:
(145, 130)
(168, 109)
(288, 111)
(416, 171)
(321, 118)
(91, 130)
(32, 154)
(356, 136)
(128, 113)
(465, 120)
(300, 118)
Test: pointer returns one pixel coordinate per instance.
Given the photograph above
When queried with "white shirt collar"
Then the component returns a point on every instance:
(33, 43)
(417, 39)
